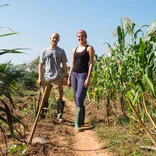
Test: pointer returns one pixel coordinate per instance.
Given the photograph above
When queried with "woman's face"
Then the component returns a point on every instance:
(81, 38)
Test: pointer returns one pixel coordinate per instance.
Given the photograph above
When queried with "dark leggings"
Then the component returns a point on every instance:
(79, 89)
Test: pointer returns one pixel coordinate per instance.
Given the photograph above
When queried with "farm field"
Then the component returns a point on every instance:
(98, 138)
(61, 138)
(120, 103)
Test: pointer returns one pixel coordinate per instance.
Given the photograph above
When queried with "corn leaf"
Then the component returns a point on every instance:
(17, 50)
(13, 33)
(150, 84)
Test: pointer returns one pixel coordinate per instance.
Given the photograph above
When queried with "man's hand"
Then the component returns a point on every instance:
(39, 81)
(65, 80)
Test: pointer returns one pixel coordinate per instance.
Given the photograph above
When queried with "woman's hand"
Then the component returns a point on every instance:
(69, 83)
(86, 84)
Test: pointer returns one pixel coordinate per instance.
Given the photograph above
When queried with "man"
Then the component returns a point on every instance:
(50, 62)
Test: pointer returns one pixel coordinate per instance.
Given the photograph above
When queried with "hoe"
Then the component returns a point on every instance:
(36, 119)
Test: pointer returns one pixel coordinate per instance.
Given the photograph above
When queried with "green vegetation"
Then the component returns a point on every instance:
(69, 93)
(13, 82)
(123, 141)
(125, 79)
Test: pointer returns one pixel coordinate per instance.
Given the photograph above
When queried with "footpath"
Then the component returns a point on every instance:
(85, 143)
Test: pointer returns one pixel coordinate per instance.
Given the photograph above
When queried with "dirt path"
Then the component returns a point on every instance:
(85, 143)
(62, 139)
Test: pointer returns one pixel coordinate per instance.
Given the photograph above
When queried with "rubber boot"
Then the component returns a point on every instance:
(82, 116)
(77, 118)
(44, 110)
(60, 109)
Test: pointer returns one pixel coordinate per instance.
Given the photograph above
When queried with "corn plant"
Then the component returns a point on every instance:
(129, 73)
(8, 87)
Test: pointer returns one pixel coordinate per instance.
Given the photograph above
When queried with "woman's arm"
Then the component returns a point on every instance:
(72, 65)
(90, 50)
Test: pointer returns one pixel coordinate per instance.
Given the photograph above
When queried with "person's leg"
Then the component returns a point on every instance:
(46, 97)
(81, 91)
(74, 82)
(60, 103)
(80, 94)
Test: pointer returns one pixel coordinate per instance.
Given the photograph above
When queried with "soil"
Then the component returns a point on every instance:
(85, 142)
(61, 138)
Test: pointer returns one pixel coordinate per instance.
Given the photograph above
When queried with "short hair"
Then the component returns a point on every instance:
(55, 34)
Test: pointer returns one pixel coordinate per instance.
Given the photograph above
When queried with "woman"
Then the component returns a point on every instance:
(79, 75)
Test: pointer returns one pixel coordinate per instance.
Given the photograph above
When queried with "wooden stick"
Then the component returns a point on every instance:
(38, 104)
(37, 117)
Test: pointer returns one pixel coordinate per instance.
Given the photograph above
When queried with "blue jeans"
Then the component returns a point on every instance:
(77, 80)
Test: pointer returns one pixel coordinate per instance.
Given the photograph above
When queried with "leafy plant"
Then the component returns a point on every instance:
(18, 149)
(128, 73)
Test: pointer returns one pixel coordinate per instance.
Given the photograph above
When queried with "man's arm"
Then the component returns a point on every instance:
(40, 70)
(64, 68)
(65, 78)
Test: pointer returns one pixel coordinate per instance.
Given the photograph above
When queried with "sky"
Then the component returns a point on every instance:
(36, 20)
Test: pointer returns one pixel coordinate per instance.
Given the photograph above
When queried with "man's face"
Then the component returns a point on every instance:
(54, 39)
